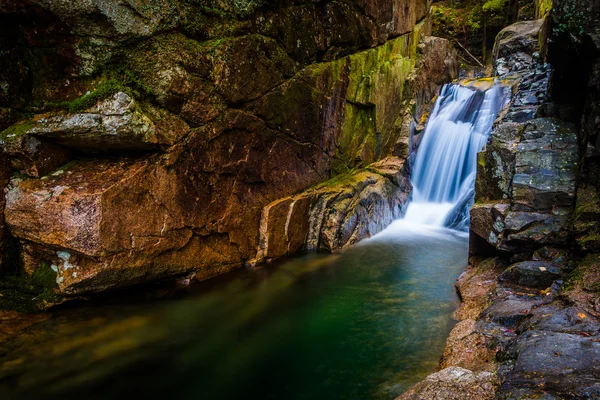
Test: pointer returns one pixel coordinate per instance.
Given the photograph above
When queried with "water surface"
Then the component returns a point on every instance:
(365, 323)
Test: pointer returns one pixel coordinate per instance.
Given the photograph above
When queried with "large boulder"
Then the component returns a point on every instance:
(516, 44)
(336, 213)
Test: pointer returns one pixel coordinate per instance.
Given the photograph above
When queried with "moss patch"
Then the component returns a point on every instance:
(28, 294)
(16, 131)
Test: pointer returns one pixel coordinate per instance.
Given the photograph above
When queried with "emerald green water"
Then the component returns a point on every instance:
(366, 323)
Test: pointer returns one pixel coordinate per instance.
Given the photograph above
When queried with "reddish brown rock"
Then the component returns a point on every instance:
(5, 173)
(263, 124)
(32, 155)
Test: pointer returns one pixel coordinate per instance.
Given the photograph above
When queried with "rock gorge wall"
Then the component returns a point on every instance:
(148, 139)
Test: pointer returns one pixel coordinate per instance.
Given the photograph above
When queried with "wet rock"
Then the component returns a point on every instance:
(545, 166)
(477, 285)
(560, 363)
(488, 221)
(454, 383)
(75, 208)
(5, 255)
(249, 149)
(467, 347)
(534, 274)
(530, 230)
(586, 224)
(336, 213)
(555, 318)
(496, 165)
(583, 284)
(509, 312)
(557, 256)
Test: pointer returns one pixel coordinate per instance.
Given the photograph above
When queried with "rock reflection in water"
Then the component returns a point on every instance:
(364, 323)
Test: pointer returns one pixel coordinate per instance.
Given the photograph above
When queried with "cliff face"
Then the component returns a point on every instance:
(146, 139)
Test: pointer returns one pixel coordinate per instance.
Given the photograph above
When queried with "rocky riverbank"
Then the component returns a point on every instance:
(529, 322)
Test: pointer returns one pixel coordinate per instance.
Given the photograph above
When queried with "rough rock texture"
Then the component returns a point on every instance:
(453, 383)
(336, 213)
(117, 123)
(199, 134)
(530, 301)
(517, 44)
(541, 192)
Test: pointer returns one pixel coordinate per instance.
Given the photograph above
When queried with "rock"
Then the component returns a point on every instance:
(219, 156)
(509, 312)
(5, 251)
(554, 318)
(534, 274)
(336, 213)
(476, 286)
(543, 154)
(515, 46)
(586, 225)
(487, 221)
(74, 209)
(454, 383)
(557, 256)
(525, 230)
(467, 347)
(32, 155)
(496, 165)
(561, 363)
(115, 124)
(545, 166)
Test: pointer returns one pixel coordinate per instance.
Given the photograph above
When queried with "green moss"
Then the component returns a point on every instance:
(543, 8)
(575, 279)
(26, 294)
(103, 91)
(588, 202)
(494, 6)
(16, 131)
(567, 16)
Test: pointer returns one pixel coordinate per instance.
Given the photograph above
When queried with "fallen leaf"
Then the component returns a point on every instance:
(581, 315)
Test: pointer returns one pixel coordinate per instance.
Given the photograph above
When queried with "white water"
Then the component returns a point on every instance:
(443, 174)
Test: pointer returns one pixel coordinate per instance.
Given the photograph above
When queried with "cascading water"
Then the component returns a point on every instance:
(443, 174)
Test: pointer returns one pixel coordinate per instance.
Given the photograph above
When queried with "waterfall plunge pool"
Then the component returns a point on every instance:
(365, 323)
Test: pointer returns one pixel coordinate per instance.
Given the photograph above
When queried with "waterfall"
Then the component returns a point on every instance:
(443, 174)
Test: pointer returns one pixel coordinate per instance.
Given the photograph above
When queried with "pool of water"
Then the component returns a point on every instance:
(365, 323)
